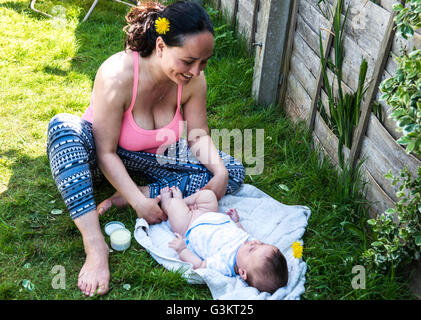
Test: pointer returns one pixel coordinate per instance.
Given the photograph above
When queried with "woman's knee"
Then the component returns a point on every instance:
(67, 129)
(62, 118)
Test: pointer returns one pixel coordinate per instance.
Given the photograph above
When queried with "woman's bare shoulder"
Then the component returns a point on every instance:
(113, 83)
(117, 70)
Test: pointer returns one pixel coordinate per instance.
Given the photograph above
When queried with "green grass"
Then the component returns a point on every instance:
(48, 68)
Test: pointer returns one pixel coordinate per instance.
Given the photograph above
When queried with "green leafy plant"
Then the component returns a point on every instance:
(403, 93)
(345, 108)
(409, 18)
(324, 8)
(398, 230)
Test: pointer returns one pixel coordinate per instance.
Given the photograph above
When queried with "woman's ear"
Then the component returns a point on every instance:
(160, 44)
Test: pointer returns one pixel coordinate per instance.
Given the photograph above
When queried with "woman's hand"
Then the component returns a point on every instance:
(218, 184)
(150, 210)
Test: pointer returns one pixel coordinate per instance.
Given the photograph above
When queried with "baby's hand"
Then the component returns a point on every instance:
(233, 214)
(177, 243)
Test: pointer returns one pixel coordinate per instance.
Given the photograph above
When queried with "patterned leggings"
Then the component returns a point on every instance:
(71, 153)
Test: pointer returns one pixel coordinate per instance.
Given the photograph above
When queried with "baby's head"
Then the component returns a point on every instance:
(262, 266)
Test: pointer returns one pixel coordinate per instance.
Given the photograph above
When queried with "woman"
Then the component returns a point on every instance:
(134, 124)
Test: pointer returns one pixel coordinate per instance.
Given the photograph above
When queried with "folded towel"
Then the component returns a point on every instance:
(265, 219)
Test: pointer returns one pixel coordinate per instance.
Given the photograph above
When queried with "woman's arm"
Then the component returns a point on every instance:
(199, 140)
(108, 110)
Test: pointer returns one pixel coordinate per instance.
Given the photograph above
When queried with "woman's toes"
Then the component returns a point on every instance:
(116, 199)
(104, 206)
(82, 285)
(94, 288)
(102, 288)
(87, 289)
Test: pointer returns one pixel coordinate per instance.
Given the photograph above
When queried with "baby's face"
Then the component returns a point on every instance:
(252, 253)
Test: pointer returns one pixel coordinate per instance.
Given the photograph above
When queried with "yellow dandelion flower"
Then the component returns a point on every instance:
(297, 250)
(162, 25)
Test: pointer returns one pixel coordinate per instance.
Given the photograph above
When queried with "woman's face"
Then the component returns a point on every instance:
(182, 63)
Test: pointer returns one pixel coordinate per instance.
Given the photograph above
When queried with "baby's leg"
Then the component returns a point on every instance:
(177, 211)
(198, 203)
(204, 200)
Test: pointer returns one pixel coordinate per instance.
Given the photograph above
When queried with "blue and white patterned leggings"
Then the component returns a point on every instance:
(71, 152)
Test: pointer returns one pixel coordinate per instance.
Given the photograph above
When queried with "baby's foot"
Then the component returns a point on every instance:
(165, 194)
(176, 193)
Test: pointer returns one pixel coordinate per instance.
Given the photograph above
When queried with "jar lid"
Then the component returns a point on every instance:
(112, 226)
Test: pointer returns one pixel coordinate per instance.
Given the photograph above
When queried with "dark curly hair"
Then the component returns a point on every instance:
(186, 18)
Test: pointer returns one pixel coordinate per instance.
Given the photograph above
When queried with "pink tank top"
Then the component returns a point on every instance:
(134, 138)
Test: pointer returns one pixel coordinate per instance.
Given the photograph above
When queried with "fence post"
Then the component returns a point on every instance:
(288, 52)
(271, 52)
(381, 61)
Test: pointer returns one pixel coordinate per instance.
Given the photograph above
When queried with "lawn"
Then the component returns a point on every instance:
(48, 67)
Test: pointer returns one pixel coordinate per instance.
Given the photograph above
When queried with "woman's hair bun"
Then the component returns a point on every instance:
(141, 35)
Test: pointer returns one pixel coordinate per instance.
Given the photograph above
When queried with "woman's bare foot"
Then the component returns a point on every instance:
(118, 200)
(94, 276)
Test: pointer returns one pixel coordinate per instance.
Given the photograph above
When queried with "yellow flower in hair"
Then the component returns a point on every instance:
(162, 25)
(297, 250)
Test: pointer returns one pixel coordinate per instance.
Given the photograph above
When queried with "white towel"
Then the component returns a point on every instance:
(265, 219)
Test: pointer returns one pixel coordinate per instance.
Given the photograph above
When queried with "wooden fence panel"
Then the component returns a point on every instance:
(390, 149)
(379, 200)
(297, 100)
(245, 17)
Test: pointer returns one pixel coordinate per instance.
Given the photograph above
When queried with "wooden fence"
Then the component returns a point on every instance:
(369, 34)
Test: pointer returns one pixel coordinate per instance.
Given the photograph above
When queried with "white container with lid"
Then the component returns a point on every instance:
(120, 239)
(113, 225)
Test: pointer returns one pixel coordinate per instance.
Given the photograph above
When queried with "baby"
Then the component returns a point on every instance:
(218, 241)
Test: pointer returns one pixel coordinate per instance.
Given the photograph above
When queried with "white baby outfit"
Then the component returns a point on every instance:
(214, 237)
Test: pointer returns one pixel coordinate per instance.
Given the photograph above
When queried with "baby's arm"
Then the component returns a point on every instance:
(185, 254)
(233, 214)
